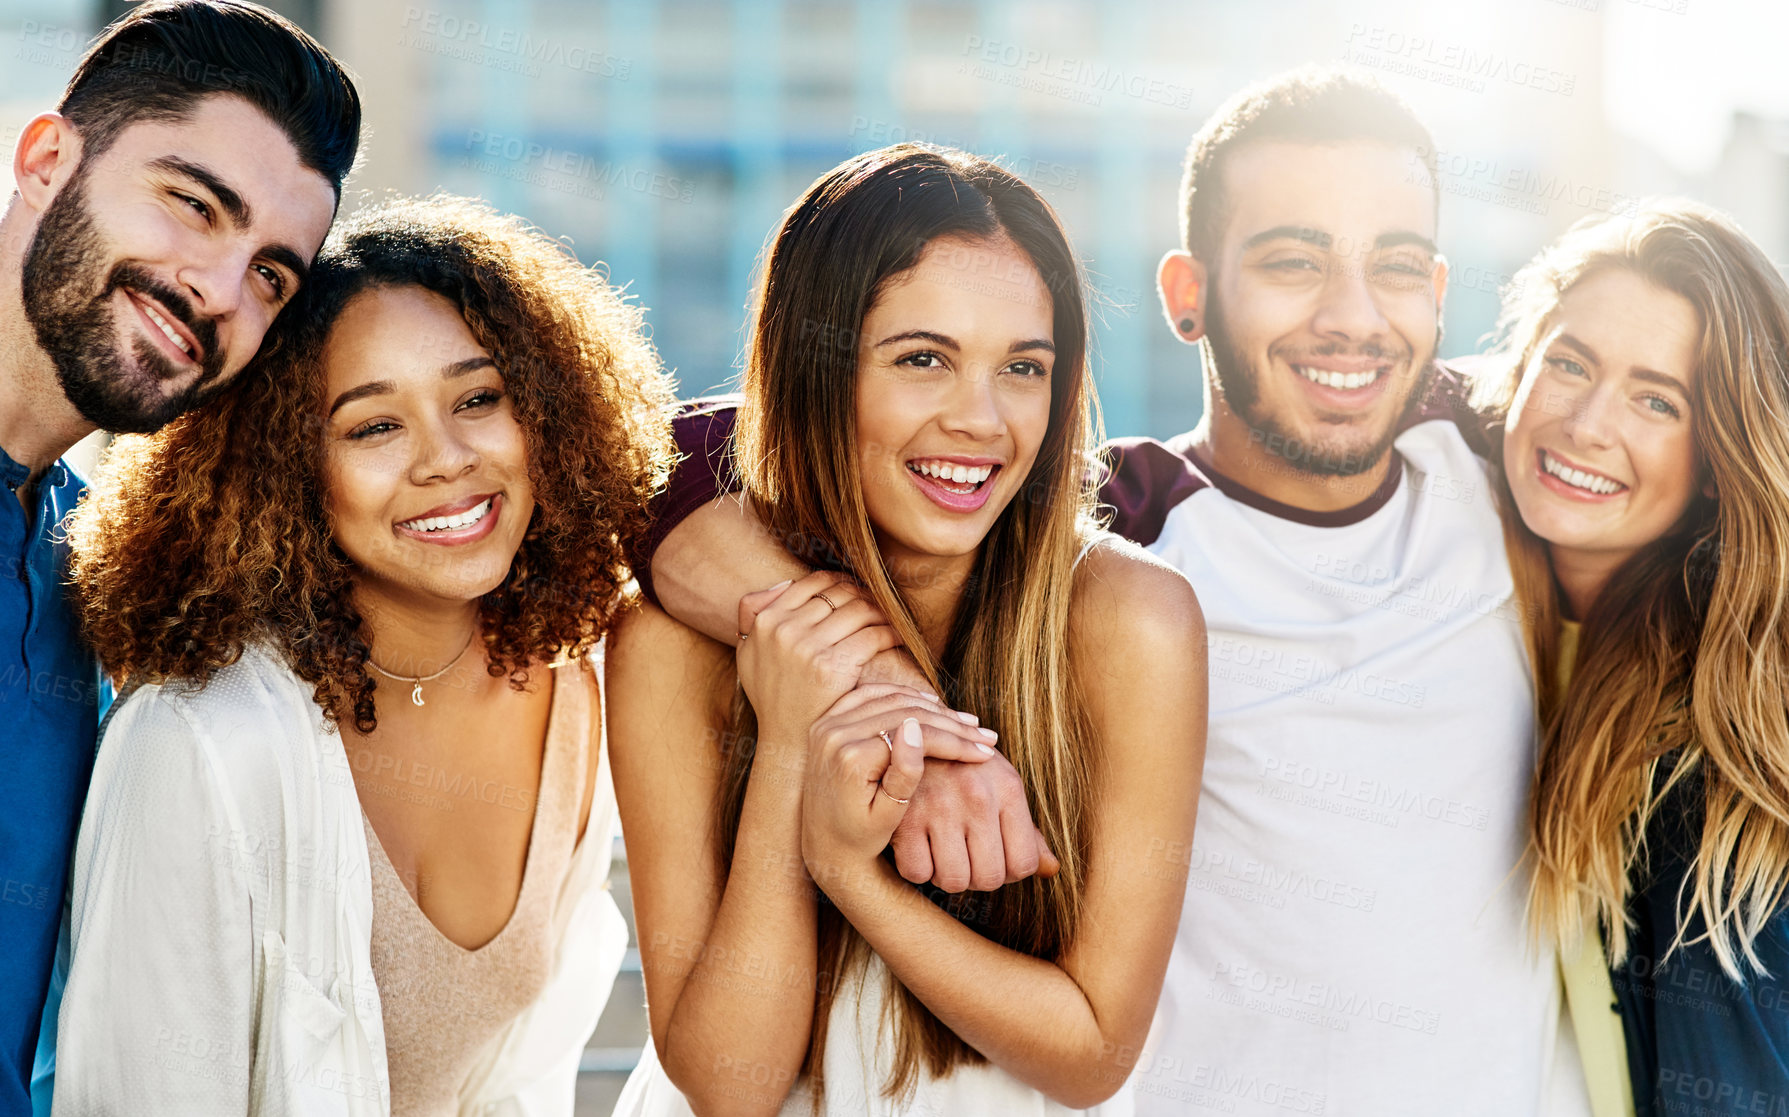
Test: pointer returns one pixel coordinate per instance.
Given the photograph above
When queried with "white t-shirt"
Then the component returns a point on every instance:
(1353, 941)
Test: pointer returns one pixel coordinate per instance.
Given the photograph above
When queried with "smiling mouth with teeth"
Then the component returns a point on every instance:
(167, 328)
(450, 523)
(960, 479)
(1346, 381)
(1578, 478)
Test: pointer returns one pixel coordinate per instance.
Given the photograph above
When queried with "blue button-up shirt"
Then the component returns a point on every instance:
(49, 713)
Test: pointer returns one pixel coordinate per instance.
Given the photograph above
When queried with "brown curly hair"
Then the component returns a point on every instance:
(211, 534)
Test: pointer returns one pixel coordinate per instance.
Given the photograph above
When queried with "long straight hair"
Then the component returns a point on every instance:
(855, 229)
(1683, 663)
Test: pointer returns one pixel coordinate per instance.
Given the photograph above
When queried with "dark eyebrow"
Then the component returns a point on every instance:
(1650, 376)
(1317, 238)
(470, 364)
(1663, 379)
(385, 387)
(234, 207)
(1579, 346)
(944, 342)
(1395, 240)
(290, 260)
(919, 335)
(362, 391)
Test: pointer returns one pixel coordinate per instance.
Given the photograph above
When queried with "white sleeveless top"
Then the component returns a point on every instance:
(859, 1047)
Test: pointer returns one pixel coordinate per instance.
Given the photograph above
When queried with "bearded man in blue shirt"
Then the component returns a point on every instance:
(164, 215)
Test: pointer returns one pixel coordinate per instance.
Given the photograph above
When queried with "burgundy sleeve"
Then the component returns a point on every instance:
(1141, 480)
(704, 472)
(1450, 400)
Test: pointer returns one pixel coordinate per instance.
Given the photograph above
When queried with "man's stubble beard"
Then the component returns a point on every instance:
(1238, 385)
(66, 288)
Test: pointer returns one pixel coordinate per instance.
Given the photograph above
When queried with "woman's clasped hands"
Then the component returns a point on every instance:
(860, 749)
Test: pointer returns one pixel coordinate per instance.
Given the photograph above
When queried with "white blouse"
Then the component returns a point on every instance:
(222, 918)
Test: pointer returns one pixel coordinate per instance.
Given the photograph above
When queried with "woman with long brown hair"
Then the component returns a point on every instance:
(917, 406)
(1646, 460)
(348, 834)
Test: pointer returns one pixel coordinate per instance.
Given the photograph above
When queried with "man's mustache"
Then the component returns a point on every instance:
(140, 279)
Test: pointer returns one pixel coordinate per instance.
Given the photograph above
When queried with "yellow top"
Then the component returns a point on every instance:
(1589, 994)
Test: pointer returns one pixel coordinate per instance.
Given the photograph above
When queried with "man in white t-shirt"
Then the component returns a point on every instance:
(1352, 942)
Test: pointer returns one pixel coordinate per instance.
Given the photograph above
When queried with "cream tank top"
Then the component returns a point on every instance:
(441, 1002)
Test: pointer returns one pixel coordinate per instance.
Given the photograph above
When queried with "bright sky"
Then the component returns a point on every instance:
(1674, 80)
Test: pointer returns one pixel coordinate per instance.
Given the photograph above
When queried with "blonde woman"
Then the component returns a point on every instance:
(1646, 455)
(937, 459)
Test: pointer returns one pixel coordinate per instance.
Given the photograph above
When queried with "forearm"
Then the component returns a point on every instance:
(1057, 1043)
(717, 555)
(748, 998)
(720, 553)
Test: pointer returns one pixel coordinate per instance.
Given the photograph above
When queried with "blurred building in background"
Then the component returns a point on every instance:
(664, 139)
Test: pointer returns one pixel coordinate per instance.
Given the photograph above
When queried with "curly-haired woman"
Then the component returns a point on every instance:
(346, 838)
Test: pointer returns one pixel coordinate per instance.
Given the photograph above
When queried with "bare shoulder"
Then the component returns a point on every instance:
(1133, 606)
(1138, 652)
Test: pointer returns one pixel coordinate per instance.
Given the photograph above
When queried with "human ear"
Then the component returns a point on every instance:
(47, 154)
(1180, 281)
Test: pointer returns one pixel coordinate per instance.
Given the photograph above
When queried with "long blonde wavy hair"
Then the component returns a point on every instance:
(1683, 663)
(1006, 659)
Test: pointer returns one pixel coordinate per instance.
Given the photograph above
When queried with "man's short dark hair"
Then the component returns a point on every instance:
(158, 61)
(1312, 105)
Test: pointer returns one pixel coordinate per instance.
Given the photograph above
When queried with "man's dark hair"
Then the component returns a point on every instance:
(162, 58)
(1311, 105)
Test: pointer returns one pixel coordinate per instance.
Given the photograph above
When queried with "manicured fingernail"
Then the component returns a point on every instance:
(930, 696)
(966, 718)
(989, 749)
(988, 733)
(910, 733)
(785, 582)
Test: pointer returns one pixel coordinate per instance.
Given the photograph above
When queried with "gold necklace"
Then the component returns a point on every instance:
(417, 681)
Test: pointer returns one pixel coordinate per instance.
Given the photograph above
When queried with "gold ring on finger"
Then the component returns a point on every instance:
(892, 795)
(883, 733)
(829, 601)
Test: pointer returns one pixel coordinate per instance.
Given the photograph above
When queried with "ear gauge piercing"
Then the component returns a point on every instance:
(1187, 325)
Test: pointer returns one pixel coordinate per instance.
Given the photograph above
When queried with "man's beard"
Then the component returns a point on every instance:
(68, 301)
(1239, 384)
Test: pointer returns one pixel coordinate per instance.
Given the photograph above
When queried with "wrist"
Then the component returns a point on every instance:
(780, 762)
(854, 884)
(896, 665)
(782, 742)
